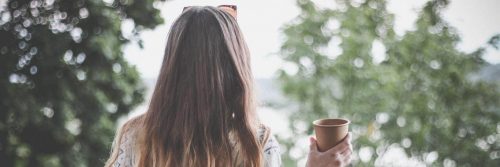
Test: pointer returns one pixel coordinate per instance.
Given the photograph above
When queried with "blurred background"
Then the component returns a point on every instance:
(419, 79)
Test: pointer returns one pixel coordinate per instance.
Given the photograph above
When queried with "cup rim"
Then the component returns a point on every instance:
(315, 123)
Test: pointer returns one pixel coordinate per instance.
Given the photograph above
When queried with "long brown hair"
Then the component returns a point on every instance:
(202, 110)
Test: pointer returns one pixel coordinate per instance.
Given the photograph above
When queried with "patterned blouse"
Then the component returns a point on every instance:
(271, 151)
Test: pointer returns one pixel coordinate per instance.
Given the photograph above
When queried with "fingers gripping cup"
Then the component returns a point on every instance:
(330, 132)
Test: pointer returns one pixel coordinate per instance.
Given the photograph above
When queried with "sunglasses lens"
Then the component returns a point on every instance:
(231, 9)
(230, 6)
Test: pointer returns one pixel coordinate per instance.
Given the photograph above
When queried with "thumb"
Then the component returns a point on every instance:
(313, 146)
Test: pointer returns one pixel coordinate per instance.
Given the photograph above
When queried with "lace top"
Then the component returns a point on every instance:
(271, 150)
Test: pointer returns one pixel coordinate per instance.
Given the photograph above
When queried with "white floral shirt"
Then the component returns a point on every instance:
(271, 151)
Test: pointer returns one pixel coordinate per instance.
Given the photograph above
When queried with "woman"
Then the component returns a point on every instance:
(202, 111)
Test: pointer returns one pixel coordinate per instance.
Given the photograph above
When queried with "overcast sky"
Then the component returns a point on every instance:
(261, 24)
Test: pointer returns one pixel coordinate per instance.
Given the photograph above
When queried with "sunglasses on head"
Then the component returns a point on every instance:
(231, 9)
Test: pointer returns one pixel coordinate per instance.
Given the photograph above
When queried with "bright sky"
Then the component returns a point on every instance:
(260, 22)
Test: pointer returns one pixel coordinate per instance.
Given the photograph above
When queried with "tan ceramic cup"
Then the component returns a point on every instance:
(330, 132)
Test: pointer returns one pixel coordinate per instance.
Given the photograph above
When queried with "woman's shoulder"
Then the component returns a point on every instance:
(129, 130)
(123, 149)
(263, 133)
(271, 147)
(266, 138)
(133, 123)
(127, 134)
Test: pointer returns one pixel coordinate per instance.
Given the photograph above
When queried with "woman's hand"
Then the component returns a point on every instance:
(338, 156)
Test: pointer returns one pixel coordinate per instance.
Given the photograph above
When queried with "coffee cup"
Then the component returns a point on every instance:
(330, 132)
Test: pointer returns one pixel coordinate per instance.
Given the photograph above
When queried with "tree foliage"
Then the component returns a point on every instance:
(416, 94)
(64, 80)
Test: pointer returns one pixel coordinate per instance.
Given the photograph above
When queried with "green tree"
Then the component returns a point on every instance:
(419, 97)
(63, 78)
